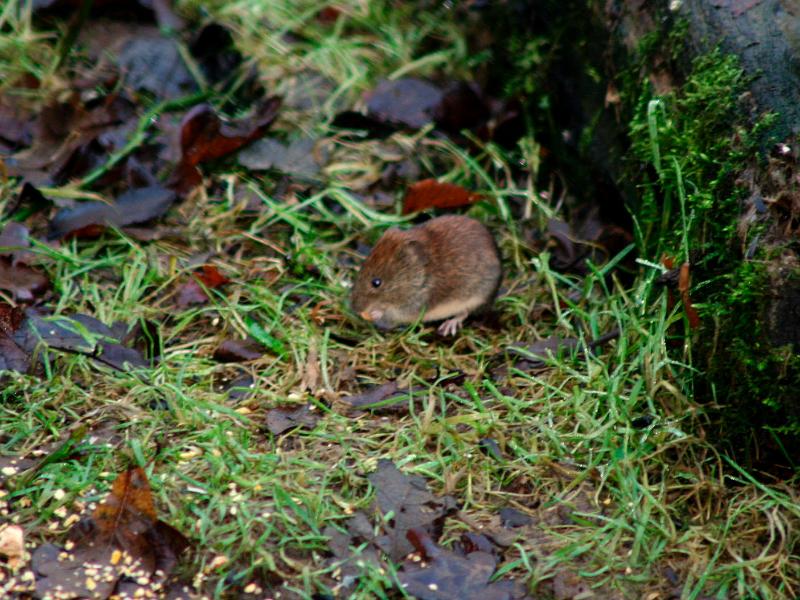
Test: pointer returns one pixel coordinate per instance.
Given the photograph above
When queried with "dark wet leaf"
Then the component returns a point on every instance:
(16, 126)
(351, 119)
(407, 498)
(14, 353)
(152, 62)
(240, 388)
(82, 334)
(490, 447)
(144, 336)
(474, 542)
(642, 422)
(443, 575)
(29, 201)
(536, 355)
(214, 50)
(204, 136)
(24, 282)
(71, 139)
(353, 550)
(89, 219)
(511, 517)
(299, 158)
(13, 238)
(406, 102)
(285, 418)
(374, 395)
(122, 534)
(461, 107)
(430, 193)
(238, 351)
(388, 397)
(193, 292)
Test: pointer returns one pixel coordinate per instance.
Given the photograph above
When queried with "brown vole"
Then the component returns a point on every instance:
(445, 268)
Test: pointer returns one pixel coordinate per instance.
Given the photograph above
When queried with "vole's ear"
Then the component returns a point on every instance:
(413, 252)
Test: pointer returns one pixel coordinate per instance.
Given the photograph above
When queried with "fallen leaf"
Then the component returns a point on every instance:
(16, 126)
(511, 518)
(13, 239)
(407, 498)
(300, 158)
(537, 354)
(151, 62)
(405, 102)
(684, 282)
(193, 293)
(14, 354)
(204, 136)
(461, 108)
(240, 388)
(238, 351)
(29, 201)
(285, 418)
(90, 219)
(24, 282)
(430, 193)
(121, 548)
(443, 575)
(72, 139)
(21, 333)
(311, 371)
(214, 49)
(12, 544)
(353, 550)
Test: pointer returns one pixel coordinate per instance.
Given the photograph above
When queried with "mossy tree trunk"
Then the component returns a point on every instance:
(713, 88)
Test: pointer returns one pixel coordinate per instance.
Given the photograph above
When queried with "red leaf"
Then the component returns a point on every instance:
(684, 281)
(205, 136)
(429, 193)
(193, 293)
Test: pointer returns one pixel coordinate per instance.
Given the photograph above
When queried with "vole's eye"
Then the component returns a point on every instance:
(376, 283)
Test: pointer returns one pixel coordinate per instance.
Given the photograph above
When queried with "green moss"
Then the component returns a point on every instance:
(695, 140)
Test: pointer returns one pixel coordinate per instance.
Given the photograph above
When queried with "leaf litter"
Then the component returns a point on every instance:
(122, 548)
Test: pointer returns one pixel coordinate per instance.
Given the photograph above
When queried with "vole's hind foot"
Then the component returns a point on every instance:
(452, 325)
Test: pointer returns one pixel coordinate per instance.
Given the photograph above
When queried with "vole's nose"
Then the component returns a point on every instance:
(371, 314)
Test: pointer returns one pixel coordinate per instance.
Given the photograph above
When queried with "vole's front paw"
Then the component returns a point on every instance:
(452, 325)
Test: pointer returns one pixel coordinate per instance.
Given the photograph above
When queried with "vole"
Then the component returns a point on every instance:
(445, 268)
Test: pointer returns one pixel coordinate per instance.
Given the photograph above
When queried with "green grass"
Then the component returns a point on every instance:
(613, 504)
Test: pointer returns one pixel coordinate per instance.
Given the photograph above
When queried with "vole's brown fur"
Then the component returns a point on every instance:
(447, 267)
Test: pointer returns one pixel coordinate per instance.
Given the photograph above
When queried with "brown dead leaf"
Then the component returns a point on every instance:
(444, 575)
(238, 351)
(24, 282)
(430, 193)
(204, 136)
(413, 506)
(192, 292)
(15, 355)
(121, 548)
(285, 418)
(311, 373)
(684, 282)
